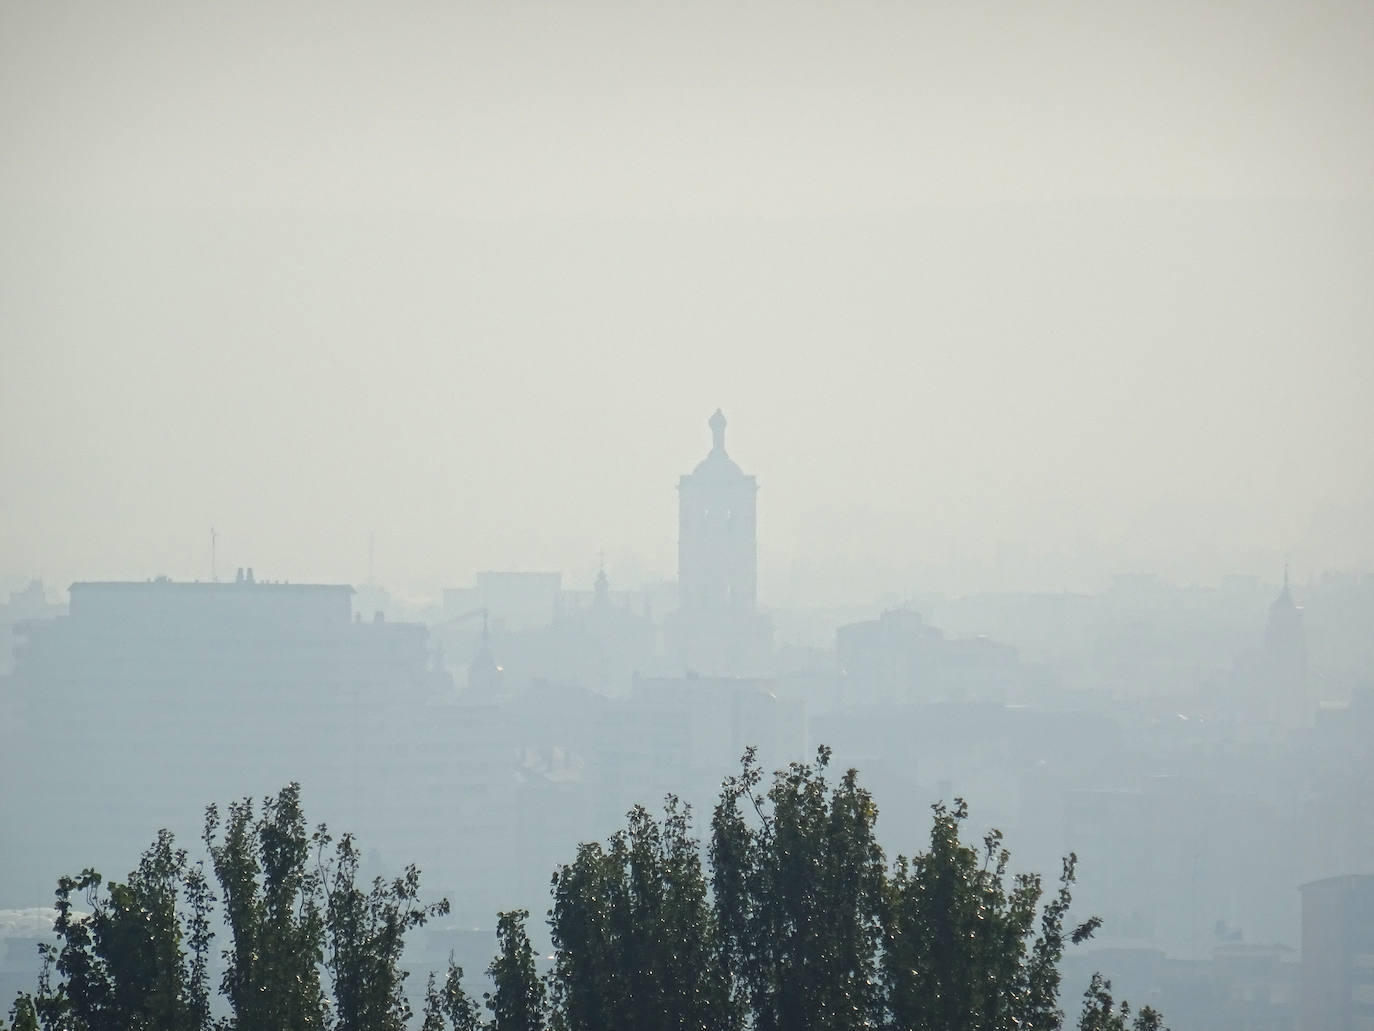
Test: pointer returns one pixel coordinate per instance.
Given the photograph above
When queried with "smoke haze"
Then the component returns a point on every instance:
(995, 297)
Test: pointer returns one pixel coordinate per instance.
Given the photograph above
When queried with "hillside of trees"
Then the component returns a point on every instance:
(790, 918)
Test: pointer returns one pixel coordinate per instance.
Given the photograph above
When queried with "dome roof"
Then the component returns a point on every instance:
(718, 465)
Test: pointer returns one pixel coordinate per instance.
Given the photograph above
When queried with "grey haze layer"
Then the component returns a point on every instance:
(1016, 297)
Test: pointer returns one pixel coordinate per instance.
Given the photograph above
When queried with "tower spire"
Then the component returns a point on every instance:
(717, 424)
(484, 675)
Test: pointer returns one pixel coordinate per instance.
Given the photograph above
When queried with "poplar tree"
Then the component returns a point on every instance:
(635, 935)
(798, 877)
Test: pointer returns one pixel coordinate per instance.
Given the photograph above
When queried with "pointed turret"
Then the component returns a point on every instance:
(1285, 646)
(484, 675)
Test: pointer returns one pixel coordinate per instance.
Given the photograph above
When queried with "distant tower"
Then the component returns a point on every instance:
(1285, 656)
(602, 586)
(717, 556)
(718, 628)
(484, 675)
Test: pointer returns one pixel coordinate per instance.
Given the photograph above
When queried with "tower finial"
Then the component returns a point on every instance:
(717, 424)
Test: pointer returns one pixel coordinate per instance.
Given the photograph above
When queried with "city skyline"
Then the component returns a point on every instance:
(995, 300)
(798, 579)
(365, 376)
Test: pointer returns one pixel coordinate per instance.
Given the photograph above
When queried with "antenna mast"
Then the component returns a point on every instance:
(214, 572)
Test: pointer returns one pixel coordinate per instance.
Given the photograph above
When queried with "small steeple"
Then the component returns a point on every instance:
(717, 424)
(1285, 660)
(603, 583)
(484, 675)
(1285, 598)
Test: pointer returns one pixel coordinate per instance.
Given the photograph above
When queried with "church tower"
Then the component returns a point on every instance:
(484, 675)
(1285, 657)
(719, 630)
(717, 551)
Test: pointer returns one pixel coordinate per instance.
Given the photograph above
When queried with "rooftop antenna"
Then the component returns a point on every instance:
(371, 553)
(214, 572)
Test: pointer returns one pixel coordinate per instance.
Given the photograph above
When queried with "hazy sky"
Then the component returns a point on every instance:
(1011, 294)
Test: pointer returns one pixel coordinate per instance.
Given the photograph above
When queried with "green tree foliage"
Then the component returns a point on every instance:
(138, 958)
(449, 1006)
(800, 925)
(806, 926)
(23, 1014)
(518, 998)
(124, 964)
(273, 906)
(960, 947)
(1099, 1013)
(365, 935)
(799, 896)
(634, 932)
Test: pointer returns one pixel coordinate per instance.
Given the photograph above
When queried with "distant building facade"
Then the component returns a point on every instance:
(1338, 955)
(899, 659)
(29, 604)
(150, 699)
(512, 600)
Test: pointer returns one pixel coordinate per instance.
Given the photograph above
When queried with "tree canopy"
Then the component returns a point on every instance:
(295, 916)
(790, 918)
